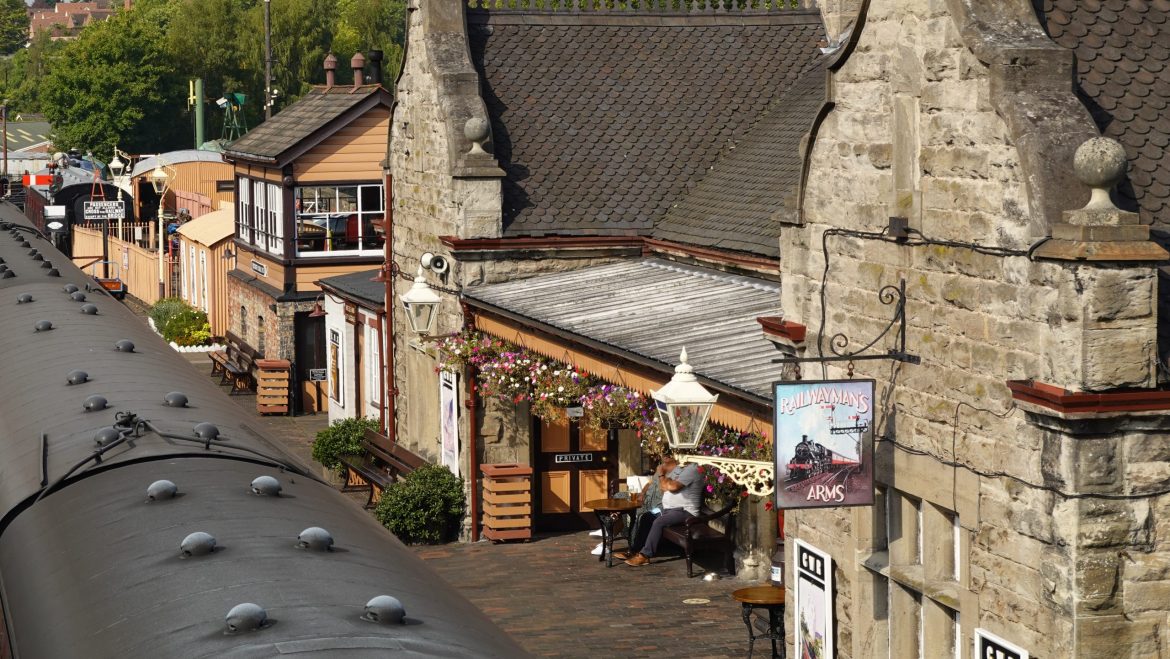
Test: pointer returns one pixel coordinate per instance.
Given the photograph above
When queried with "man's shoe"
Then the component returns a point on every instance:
(621, 555)
(637, 560)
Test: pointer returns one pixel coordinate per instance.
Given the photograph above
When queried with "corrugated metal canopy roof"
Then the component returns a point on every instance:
(147, 164)
(210, 228)
(652, 309)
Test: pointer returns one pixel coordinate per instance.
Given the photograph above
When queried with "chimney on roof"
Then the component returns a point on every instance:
(376, 67)
(330, 67)
(358, 63)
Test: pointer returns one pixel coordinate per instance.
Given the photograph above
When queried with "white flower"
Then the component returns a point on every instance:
(560, 388)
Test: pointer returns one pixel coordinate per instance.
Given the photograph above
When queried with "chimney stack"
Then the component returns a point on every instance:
(358, 64)
(376, 67)
(330, 67)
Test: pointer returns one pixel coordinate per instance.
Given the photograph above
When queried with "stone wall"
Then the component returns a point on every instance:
(914, 134)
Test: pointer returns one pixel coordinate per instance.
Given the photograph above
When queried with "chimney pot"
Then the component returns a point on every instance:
(358, 63)
(330, 67)
(376, 66)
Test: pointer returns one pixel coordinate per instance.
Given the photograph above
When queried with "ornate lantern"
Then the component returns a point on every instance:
(683, 406)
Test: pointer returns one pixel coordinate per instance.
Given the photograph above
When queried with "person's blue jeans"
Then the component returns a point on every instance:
(669, 517)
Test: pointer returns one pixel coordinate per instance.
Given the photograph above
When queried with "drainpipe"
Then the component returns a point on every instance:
(391, 425)
(470, 374)
(382, 365)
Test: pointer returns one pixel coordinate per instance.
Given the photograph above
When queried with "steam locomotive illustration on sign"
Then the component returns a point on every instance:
(811, 458)
(145, 514)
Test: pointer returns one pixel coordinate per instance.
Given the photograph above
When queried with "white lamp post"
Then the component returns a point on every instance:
(158, 180)
(683, 406)
(422, 305)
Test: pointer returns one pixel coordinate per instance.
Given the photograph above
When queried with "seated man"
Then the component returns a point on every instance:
(649, 511)
(682, 496)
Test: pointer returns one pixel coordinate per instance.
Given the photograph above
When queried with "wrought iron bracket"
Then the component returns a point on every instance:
(757, 476)
(895, 295)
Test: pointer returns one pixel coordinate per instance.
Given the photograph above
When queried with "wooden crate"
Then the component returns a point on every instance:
(272, 385)
(507, 502)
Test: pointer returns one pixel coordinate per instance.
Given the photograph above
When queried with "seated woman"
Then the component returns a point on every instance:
(649, 511)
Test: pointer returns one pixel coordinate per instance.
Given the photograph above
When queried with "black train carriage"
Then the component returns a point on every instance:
(89, 567)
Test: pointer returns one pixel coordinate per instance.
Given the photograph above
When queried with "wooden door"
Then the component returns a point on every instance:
(573, 465)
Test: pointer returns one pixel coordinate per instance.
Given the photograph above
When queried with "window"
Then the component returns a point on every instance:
(184, 275)
(244, 211)
(374, 368)
(260, 334)
(194, 277)
(203, 281)
(338, 219)
(244, 323)
(261, 215)
(225, 186)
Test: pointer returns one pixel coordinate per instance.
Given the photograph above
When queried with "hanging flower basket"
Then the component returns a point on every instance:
(608, 406)
(555, 386)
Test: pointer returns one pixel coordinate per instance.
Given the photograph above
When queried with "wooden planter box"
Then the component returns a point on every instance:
(272, 383)
(507, 502)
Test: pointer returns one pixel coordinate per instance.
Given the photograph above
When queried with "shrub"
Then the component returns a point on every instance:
(181, 323)
(425, 507)
(342, 437)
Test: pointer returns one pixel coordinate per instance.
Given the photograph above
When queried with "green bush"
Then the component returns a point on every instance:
(425, 507)
(342, 437)
(181, 323)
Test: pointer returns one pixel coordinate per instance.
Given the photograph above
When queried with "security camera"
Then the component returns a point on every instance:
(435, 263)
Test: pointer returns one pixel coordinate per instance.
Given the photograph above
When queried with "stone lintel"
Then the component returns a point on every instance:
(1100, 250)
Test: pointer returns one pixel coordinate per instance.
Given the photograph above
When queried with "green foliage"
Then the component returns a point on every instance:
(181, 323)
(425, 507)
(13, 25)
(342, 437)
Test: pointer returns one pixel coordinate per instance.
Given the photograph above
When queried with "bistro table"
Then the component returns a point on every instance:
(608, 511)
(765, 597)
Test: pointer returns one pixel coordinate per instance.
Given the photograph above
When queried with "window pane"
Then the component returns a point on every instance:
(371, 238)
(347, 199)
(371, 198)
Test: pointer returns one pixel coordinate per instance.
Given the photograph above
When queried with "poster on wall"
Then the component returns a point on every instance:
(335, 366)
(823, 443)
(449, 419)
(813, 616)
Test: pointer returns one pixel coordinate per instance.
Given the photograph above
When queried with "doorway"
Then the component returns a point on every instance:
(309, 365)
(574, 464)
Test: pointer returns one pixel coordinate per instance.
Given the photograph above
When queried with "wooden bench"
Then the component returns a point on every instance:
(381, 463)
(697, 533)
(235, 364)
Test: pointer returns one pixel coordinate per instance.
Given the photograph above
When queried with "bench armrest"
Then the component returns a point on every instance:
(707, 517)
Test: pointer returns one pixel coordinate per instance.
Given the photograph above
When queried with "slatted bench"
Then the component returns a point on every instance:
(235, 364)
(697, 533)
(380, 463)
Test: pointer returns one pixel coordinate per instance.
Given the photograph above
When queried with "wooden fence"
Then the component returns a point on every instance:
(136, 266)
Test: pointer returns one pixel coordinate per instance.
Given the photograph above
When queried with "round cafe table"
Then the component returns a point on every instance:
(608, 511)
(764, 597)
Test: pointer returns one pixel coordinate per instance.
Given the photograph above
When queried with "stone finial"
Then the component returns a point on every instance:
(1100, 163)
(478, 130)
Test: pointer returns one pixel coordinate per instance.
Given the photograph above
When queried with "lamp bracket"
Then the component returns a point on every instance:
(895, 295)
(757, 476)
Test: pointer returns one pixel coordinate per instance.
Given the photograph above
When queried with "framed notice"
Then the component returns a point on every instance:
(823, 443)
(335, 366)
(813, 615)
(990, 646)
(449, 419)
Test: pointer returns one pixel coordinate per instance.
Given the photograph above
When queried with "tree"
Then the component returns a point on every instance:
(116, 85)
(13, 26)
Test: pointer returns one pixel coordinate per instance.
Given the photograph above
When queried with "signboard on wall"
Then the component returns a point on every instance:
(449, 419)
(103, 210)
(813, 616)
(990, 646)
(823, 443)
(317, 375)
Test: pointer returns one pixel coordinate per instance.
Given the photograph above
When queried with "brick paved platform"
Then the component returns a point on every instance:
(557, 600)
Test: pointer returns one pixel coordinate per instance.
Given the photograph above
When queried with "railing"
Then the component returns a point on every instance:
(136, 266)
(140, 233)
(642, 6)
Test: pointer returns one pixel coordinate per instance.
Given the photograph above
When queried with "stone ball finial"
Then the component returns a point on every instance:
(1100, 163)
(477, 129)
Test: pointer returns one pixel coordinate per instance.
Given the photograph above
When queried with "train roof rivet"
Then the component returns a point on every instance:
(315, 538)
(175, 399)
(24, 298)
(161, 490)
(42, 325)
(105, 436)
(197, 544)
(206, 430)
(38, 257)
(246, 617)
(45, 265)
(53, 272)
(8, 274)
(385, 610)
(124, 345)
(89, 309)
(77, 296)
(94, 403)
(69, 288)
(266, 486)
(78, 377)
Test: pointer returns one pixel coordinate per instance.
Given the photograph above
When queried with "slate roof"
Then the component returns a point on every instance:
(603, 121)
(1123, 73)
(26, 134)
(627, 304)
(357, 286)
(734, 205)
(311, 113)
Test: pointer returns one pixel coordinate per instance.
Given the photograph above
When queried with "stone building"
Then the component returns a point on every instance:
(562, 159)
(1021, 467)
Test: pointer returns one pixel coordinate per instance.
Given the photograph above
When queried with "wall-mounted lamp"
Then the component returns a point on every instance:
(683, 406)
(318, 311)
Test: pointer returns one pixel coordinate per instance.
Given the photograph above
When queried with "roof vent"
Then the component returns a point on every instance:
(197, 544)
(53, 272)
(266, 486)
(206, 431)
(78, 377)
(77, 296)
(42, 325)
(37, 257)
(89, 309)
(94, 403)
(8, 274)
(69, 288)
(24, 298)
(125, 345)
(246, 617)
(33, 252)
(46, 265)
(175, 399)
(385, 610)
(106, 435)
(3, 267)
(161, 491)
(315, 538)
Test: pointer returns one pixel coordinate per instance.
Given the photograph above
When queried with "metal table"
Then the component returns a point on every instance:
(765, 597)
(608, 511)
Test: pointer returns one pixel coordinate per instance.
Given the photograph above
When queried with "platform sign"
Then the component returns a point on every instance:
(96, 211)
(990, 646)
(813, 614)
(317, 375)
(823, 443)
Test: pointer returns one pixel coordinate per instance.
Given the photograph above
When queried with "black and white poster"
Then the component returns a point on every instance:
(813, 614)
